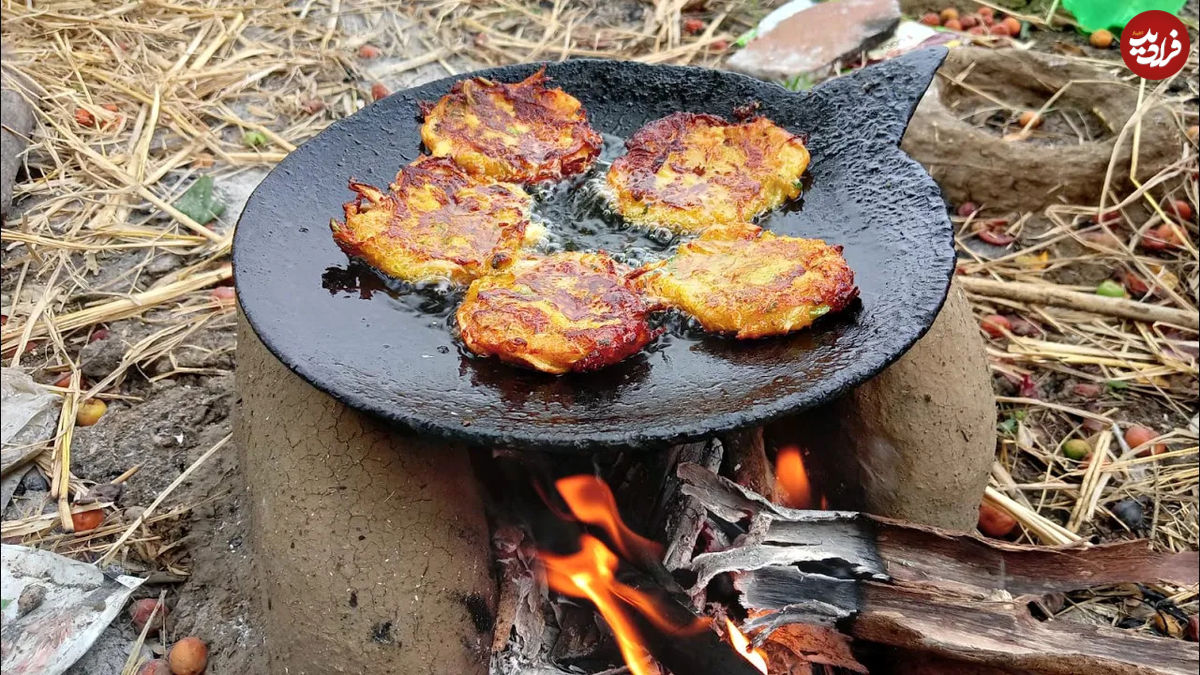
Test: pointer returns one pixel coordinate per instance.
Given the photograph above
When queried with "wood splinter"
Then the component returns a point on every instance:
(1049, 294)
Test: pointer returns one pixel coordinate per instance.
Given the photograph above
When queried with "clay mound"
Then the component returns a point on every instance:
(923, 431)
(957, 135)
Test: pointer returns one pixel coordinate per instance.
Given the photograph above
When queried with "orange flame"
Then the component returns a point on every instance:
(593, 503)
(590, 574)
(791, 479)
(756, 657)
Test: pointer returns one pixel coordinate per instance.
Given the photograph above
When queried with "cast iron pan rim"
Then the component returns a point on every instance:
(644, 438)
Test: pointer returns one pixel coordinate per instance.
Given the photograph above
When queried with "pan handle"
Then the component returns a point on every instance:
(874, 104)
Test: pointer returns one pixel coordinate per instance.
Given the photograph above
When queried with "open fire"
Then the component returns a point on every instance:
(742, 643)
(791, 480)
(591, 573)
(787, 589)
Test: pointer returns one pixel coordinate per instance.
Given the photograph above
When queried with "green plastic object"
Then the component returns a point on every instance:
(1093, 15)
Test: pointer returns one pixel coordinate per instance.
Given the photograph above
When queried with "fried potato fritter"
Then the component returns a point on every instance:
(687, 171)
(521, 132)
(560, 313)
(742, 279)
(437, 223)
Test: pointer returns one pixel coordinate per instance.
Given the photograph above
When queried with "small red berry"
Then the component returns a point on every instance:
(995, 325)
(1134, 284)
(140, 611)
(224, 294)
(87, 520)
(1162, 237)
(994, 522)
(1182, 209)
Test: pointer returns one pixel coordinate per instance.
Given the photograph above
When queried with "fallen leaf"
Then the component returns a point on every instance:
(1019, 325)
(254, 139)
(198, 203)
(1163, 277)
(1067, 48)
(1034, 262)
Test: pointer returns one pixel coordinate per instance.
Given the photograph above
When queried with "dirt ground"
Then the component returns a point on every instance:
(167, 372)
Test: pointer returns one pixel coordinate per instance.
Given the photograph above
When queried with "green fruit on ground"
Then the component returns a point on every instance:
(1076, 448)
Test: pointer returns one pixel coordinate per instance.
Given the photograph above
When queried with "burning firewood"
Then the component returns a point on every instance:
(801, 586)
(644, 616)
(745, 459)
(588, 554)
(923, 589)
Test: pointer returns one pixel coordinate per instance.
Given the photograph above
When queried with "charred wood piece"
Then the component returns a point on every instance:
(955, 596)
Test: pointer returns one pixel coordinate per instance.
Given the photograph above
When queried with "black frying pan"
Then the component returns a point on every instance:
(391, 351)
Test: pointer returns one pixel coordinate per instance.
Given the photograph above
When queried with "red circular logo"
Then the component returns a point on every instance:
(1155, 45)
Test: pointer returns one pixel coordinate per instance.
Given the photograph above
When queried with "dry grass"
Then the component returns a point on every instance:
(1090, 374)
(171, 89)
(174, 87)
(512, 31)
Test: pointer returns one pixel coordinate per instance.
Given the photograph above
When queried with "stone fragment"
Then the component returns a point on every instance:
(814, 38)
(14, 138)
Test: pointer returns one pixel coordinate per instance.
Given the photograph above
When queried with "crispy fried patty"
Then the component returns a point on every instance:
(436, 223)
(520, 132)
(742, 279)
(560, 313)
(687, 171)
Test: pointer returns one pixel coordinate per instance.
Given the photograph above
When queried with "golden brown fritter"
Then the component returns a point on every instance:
(520, 132)
(688, 171)
(560, 313)
(437, 223)
(742, 279)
